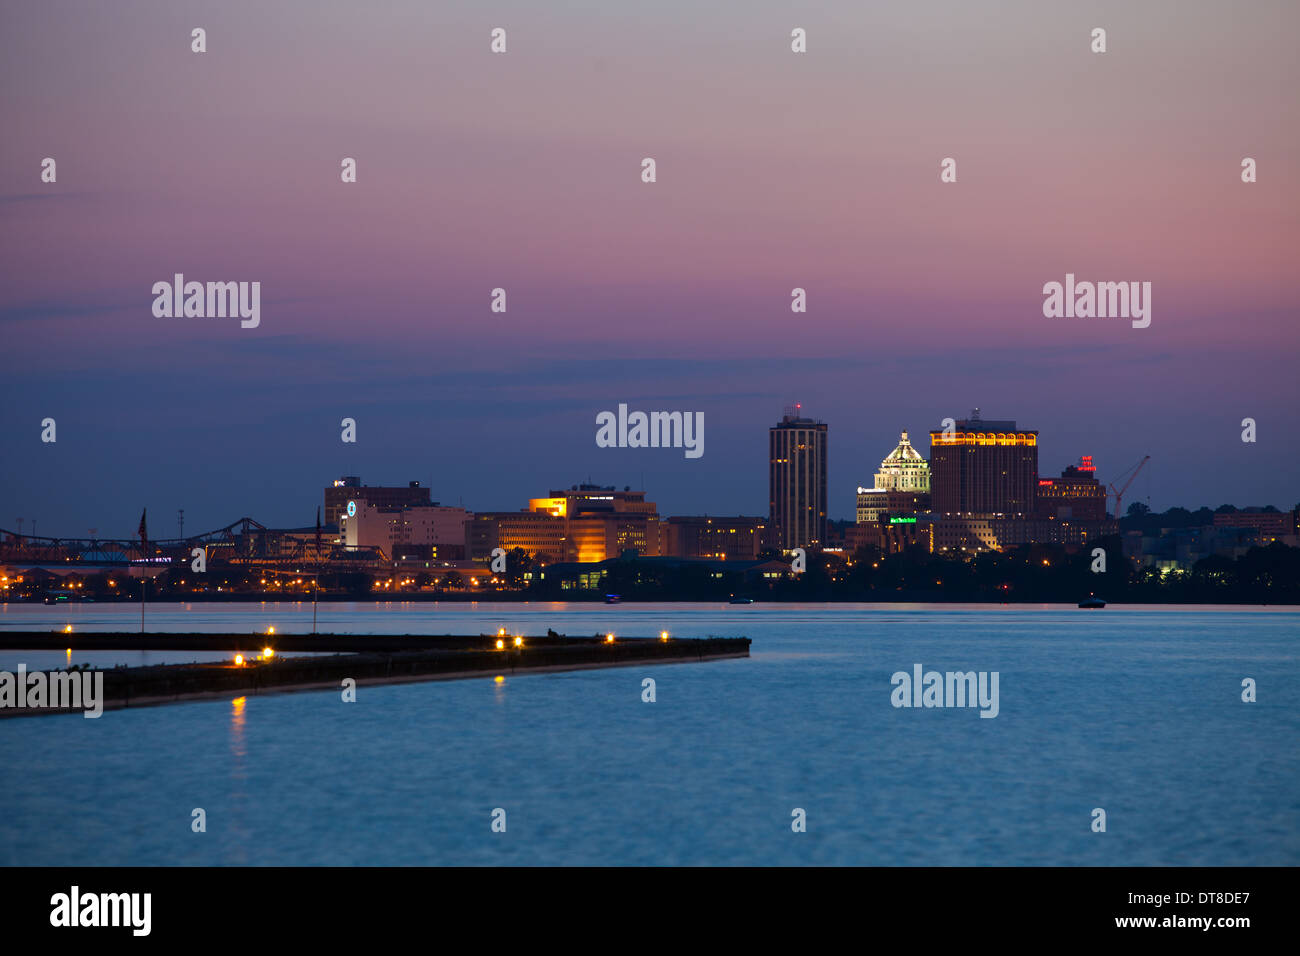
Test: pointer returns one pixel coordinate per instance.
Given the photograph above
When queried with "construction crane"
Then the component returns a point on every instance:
(1119, 494)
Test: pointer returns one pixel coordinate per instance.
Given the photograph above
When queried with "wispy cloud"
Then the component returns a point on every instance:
(13, 198)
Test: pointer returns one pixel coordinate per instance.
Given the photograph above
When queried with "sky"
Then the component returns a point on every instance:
(522, 170)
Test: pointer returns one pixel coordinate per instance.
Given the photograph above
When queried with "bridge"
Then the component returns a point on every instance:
(243, 543)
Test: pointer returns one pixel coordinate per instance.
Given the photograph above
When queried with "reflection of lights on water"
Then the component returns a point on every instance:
(499, 679)
(237, 726)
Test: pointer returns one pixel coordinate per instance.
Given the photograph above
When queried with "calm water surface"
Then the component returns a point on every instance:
(1135, 710)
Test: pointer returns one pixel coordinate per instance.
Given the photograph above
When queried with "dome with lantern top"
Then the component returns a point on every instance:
(904, 469)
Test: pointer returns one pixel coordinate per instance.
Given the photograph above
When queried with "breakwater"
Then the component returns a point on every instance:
(365, 659)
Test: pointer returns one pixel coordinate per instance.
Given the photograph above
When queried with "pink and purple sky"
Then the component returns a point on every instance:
(775, 170)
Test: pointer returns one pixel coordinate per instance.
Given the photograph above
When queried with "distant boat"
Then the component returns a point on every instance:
(742, 600)
(1092, 601)
(613, 599)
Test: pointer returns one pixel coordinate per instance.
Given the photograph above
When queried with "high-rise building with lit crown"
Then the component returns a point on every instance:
(902, 485)
(983, 467)
(797, 481)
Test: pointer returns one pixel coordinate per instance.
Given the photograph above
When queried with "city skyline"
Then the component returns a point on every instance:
(417, 490)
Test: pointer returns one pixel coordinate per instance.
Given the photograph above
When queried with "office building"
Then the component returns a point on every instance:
(427, 531)
(584, 523)
(539, 534)
(720, 537)
(1270, 525)
(797, 482)
(349, 488)
(983, 468)
(1076, 495)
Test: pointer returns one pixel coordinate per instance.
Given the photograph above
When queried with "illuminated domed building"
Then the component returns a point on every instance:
(902, 485)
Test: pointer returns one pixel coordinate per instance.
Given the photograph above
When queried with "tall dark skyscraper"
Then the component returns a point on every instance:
(983, 467)
(797, 481)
